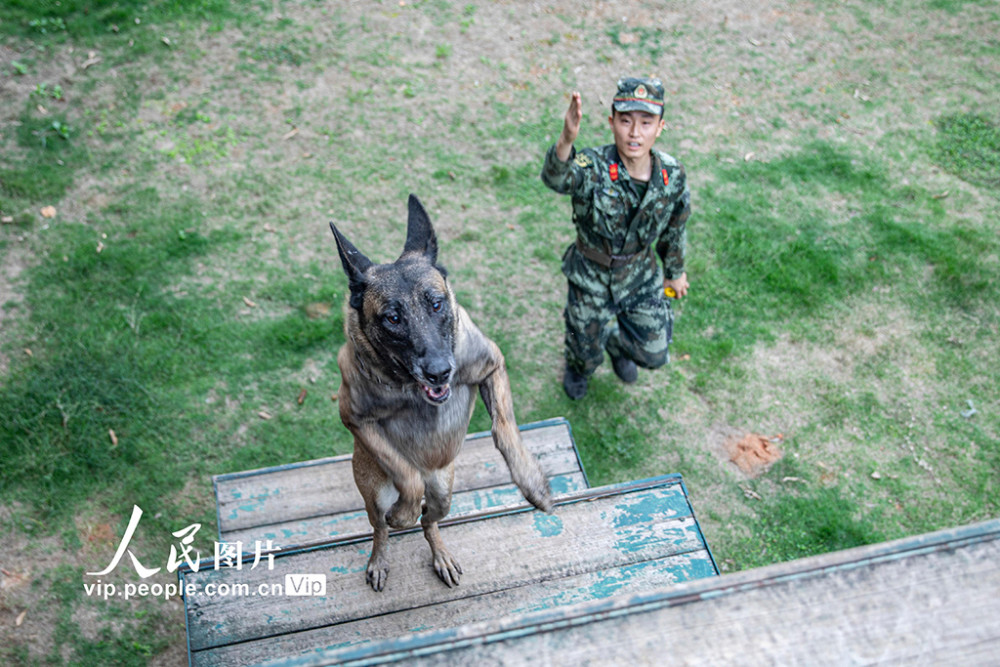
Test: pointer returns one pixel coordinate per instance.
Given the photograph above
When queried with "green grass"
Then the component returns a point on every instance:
(969, 146)
(843, 282)
(123, 345)
(132, 640)
(89, 20)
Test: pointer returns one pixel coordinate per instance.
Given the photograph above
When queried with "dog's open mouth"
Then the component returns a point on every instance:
(436, 395)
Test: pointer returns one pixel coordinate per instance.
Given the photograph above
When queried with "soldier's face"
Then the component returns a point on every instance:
(635, 132)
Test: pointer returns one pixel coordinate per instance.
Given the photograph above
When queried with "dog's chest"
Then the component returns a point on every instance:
(453, 416)
(431, 436)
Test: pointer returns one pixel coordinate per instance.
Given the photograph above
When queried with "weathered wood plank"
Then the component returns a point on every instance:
(931, 599)
(589, 533)
(633, 578)
(315, 490)
(323, 528)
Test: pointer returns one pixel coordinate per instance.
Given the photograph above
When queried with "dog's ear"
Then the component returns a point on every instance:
(420, 236)
(355, 265)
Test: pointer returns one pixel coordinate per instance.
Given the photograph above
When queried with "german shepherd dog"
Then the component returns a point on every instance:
(410, 368)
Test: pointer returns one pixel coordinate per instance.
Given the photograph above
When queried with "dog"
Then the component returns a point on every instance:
(410, 369)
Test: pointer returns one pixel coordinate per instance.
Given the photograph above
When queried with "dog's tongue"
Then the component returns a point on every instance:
(436, 394)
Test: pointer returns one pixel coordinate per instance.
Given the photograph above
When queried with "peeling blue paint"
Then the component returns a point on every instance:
(610, 582)
(639, 538)
(254, 504)
(605, 584)
(654, 505)
(548, 525)
(563, 484)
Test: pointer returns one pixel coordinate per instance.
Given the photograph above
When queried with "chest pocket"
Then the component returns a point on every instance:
(610, 206)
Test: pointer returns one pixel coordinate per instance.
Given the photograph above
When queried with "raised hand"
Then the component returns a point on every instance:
(571, 127)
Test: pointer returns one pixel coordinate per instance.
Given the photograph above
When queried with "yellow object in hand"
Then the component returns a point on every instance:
(669, 291)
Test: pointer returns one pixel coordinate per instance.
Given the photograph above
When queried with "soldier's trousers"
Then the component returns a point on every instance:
(640, 330)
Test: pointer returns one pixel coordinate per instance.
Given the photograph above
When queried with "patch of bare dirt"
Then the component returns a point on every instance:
(29, 614)
(753, 454)
(25, 618)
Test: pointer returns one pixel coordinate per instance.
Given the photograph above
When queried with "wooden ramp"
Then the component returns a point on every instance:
(929, 600)
(597, 543)
(314, 501)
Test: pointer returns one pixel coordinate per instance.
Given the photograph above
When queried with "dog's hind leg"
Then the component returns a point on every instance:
(379, 494)
(437, 496)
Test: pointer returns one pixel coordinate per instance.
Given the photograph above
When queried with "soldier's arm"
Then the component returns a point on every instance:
(571, 128)
(672, 242)
(558, 173)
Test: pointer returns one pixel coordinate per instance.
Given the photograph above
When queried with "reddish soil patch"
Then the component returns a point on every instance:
(753, 454)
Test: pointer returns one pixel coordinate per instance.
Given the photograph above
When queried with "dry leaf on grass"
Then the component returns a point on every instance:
(92, 59)
(318, 310)
(48, 211)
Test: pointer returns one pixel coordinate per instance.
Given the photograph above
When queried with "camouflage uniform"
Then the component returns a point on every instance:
(620, 308)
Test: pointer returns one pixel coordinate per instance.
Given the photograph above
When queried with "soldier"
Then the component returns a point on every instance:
(630, 206)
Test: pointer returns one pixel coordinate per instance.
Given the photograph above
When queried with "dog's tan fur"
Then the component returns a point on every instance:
(404, 444)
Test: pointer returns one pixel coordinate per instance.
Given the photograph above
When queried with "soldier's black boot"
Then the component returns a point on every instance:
(574, 383)
(625, 369)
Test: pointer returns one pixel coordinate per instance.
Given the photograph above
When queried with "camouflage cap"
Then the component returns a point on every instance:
(639, 95)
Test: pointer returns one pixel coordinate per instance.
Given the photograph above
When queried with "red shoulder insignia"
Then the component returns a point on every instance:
(666, 179)
(613, 172)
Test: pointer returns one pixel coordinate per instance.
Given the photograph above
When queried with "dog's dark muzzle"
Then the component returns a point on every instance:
(434, 378)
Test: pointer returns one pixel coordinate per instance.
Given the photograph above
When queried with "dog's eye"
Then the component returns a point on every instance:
(437, 305)
(392, 318)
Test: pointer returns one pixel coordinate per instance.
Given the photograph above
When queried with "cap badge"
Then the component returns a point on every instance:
(640, 91)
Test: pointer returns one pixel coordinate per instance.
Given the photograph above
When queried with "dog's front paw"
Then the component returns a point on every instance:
(403, 514)
(536, 490)
(541, 497)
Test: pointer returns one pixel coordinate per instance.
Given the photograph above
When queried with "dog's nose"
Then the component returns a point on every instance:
(437, 373)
